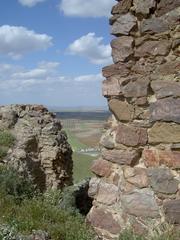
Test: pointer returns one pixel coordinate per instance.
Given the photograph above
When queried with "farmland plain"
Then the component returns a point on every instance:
(84, 130)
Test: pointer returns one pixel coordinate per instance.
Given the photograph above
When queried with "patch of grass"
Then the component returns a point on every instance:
(38, 214)
(16, 185)
(128, 234)
(161, 232)
(74, 141)
(82, 164)
(6, 139)
(3, 152)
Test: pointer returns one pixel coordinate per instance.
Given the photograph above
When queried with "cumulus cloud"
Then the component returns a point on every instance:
(86, 8)
(15, 41)
(91, 47)
(45, 84)
(44, 74)
(89, 78)
(30, 3)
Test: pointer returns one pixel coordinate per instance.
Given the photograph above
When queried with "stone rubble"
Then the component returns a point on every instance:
(137, 180)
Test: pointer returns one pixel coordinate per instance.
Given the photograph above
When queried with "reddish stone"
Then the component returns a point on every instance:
(122, 48)
(121, 157)
(131, 136)
(154, 48)
(103, 219)
(101, 168)
(155, 158)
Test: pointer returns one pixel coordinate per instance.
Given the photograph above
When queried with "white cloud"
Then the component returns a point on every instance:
(91, 47)
(30, 3)
(45, 84)
(16, 41)
(17, 78)
(89, 78)
(86, 8)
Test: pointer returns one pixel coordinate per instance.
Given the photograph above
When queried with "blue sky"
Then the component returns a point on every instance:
(52, 51)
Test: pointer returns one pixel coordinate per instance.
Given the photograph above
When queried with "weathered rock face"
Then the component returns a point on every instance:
(41, 150)
(138, 174)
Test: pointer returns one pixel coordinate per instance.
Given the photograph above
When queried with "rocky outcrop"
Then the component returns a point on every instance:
(41, 149)
(137, 179)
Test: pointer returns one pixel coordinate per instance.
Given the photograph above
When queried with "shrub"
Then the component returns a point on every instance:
(6, 141)
(36, 214)
(3, 152)
(6, 138)
(128, 234)
(12, 183)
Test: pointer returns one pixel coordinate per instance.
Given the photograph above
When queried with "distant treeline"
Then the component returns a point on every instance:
(98, 115)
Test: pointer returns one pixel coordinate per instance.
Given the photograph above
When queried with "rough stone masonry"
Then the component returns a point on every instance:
(41, 150)
(137, 179)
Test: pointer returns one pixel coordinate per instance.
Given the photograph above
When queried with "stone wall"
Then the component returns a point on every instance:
(137, 179)
(41, 149)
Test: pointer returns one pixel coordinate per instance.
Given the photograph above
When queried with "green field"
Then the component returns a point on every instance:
(84, 130)
(82, 164)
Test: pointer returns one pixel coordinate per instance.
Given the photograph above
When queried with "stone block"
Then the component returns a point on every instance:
(144, 7)
(122, 48)
(153, 48)
(165, 88)
(164, 133)
(162, 181)
(136, 176)
(107, 140)
(155, 158)
(121, 157)
(120, 69)
(123, 111)
(136, 86)
(167, 110)
(172, 211)
(101, 168)
(124, 24)
(121, 7)
(165, 6)
(108, 193)
(131, 136)
(102, 219)
(140, 203)
(111, 87)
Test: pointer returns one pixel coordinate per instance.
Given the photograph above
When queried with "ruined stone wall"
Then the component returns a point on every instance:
(41, 149)
(137, 179)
